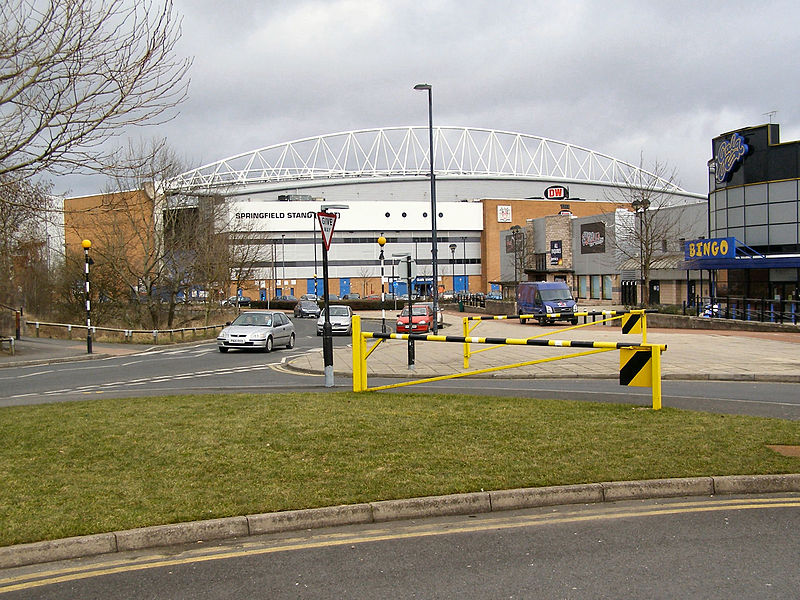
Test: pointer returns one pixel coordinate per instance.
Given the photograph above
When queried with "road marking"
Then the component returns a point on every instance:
(484, 522)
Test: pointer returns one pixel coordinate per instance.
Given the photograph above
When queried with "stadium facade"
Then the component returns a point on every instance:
(487, 181)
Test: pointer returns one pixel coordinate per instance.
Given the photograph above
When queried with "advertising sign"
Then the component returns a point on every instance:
(593, 238)
(556, 192)
(555, 252)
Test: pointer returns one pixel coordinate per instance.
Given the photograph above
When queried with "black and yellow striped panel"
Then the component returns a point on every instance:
(635, 367)
(632, 323)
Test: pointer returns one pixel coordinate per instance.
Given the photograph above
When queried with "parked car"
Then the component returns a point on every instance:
(306, 308)
(341, 319)
(309, 297)
(447, 295)
(422, 320)
(494, 296)
(352, 296)
(237, 300)
(440, 315)
(260, 330)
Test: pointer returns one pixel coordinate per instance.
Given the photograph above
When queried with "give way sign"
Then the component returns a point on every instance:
(327, 221)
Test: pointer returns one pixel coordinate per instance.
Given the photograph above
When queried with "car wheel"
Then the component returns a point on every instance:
(290, 345)
(541, 321)
(268, 345)
(223, 349)
(521, 320)
(574, 320)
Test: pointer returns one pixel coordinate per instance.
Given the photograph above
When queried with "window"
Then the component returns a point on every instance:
(595, 286)
(607, 287)
(583, 291)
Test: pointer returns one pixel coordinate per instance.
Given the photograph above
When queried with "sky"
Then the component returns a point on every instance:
(642, 81)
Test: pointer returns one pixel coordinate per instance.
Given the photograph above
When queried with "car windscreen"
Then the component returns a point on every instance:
(338, 311)
(252, 320)
(556, 295)
(418, 311)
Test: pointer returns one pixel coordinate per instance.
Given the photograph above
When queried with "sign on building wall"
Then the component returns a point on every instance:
(729, 154)
(593, 238)
(556, 192)
(709, 249)
(503, 213)
(556, 257)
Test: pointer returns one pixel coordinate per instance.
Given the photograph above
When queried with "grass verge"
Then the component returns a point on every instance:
(104, 465)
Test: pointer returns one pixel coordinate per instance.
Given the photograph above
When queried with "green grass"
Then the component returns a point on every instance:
(103, 465)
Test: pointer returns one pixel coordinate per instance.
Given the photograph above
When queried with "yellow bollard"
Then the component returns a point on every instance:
(357, 354)
(656, 378)
(466, 345)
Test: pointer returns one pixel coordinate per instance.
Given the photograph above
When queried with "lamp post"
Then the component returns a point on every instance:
(87, 261)
(453, 264)
(464, 248)
(283, 256)
(434, 240)
(382, 243)
(327, 330)
(639, 208)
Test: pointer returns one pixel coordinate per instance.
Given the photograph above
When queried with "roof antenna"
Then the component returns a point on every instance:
(771, 114)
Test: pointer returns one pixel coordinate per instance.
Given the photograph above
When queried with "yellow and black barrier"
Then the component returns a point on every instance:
(630, 370)
(633, 321)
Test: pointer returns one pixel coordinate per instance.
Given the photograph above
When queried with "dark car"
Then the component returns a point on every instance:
(237, 301)
(306, 308)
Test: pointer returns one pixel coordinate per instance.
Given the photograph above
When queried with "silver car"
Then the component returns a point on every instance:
(257, 330)
(341, 319)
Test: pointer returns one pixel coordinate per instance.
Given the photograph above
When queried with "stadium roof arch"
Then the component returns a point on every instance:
(401, 153)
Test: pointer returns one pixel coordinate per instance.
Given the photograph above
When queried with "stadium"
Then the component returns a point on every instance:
(486, 182)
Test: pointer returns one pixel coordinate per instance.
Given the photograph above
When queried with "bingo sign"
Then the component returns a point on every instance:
(710, 249)
(556, 192)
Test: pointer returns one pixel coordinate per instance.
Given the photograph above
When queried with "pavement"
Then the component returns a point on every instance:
(691, 354)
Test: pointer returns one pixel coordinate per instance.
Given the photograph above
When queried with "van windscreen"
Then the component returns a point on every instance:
(557, 295)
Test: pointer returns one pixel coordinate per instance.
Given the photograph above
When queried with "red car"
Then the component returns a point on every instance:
(422, 320)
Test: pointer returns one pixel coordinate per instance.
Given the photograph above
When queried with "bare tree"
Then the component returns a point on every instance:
(73, 72)
(365, 273)
(24, 207)
(652, 230)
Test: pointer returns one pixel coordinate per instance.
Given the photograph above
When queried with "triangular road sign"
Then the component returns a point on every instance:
(327, 221)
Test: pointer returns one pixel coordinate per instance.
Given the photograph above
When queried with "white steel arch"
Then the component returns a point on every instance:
(402, 152)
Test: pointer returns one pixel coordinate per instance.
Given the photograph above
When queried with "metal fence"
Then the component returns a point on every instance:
(746, 309)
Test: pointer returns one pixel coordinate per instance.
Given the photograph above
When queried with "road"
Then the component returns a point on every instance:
(200, 368)
(716, 548)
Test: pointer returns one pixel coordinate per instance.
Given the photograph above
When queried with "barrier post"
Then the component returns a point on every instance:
(656, 376)
(358, 354)
(466, 344)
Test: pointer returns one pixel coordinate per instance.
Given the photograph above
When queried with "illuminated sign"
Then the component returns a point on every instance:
(729, 154)
(708, 249)
(556, 192)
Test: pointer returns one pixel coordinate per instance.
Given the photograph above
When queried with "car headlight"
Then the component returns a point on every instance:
(549, 308)
(423, 322)
(258, 336)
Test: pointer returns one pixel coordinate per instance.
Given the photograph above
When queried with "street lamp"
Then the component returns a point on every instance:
(514, 232)
(87, 261)
(283, 256)
(382, 243)
(453, 264)
(639, 208)
(434, 241)
(327, 330)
